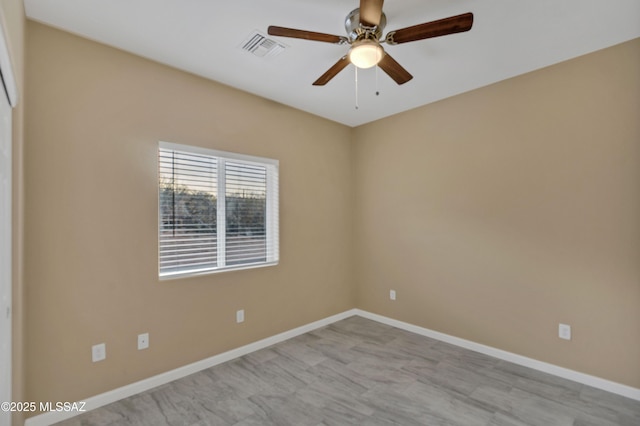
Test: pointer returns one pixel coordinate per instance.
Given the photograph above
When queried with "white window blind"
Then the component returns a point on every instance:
(218, 211)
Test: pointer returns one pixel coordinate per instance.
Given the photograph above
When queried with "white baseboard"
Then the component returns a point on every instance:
(97, 401)
(114, 395)
(565, 373)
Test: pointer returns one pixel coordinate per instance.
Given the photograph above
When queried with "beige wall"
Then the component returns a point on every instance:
(501, 212)
(95, 117)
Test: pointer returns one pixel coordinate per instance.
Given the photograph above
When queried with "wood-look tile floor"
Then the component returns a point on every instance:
(360, 372)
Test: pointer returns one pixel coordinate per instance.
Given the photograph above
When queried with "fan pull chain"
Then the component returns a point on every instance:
(356, 68)
(377, 90)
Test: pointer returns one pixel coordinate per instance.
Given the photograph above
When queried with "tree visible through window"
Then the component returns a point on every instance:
(218, 211)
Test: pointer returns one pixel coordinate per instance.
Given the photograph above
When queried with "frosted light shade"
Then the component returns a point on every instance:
(365, 54)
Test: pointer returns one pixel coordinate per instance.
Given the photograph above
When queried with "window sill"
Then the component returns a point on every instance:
(167, 276)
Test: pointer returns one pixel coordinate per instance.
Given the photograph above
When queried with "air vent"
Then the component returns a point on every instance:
(261, 46)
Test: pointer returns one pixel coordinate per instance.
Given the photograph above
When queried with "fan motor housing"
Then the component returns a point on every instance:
(357, 31)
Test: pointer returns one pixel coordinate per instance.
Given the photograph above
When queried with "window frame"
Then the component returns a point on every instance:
(271, 210)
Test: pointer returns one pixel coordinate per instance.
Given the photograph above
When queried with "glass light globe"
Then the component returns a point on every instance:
(365, 53)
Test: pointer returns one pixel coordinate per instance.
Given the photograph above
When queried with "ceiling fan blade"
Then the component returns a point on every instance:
(333, 71)
(394, 69)
(451, 25)
(306, 35)
(370, 12)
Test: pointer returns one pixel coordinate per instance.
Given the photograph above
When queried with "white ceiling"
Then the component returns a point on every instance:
(508, 38)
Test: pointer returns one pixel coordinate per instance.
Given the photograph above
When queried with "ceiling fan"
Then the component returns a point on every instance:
(364, 28)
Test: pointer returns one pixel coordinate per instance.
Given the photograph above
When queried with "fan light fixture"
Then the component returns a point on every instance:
(365, 53)
(365, 26)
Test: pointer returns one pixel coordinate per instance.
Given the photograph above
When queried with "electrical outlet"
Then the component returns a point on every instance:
(564, 331)
(240, 316)
(98, 352)
(143, 341)
(392, 294)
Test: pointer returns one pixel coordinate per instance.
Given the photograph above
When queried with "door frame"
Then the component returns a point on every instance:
(7, 78)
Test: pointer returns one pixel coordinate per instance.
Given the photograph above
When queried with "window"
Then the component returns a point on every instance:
(218, 211)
